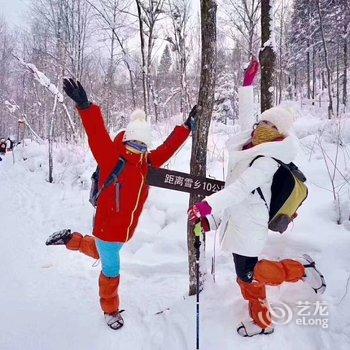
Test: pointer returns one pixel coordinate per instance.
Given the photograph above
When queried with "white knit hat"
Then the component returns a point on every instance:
(281, 117)
(138, 128)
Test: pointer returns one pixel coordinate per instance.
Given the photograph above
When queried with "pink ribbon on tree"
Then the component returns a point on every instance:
(251, 73)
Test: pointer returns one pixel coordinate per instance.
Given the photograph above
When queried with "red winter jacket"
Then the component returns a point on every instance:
(120, 206)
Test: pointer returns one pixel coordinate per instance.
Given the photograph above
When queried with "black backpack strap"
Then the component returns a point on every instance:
(257, 157)
(293, 169)
(113, 178)
(259, 189)
(262, 196)
(116, 173)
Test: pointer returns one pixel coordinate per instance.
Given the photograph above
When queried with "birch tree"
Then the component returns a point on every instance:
(326, 59)
(243, 16)
(149, 12)
(178, 12)
(114, 20)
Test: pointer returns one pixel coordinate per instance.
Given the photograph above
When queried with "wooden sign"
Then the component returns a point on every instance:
(178, 181)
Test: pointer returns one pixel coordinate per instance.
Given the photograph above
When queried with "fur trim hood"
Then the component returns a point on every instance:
(284, 150)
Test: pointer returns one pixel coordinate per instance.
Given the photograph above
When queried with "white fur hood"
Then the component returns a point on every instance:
(284, 150)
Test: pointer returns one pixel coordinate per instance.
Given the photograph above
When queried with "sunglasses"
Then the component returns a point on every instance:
(263, 122)
(139, 146)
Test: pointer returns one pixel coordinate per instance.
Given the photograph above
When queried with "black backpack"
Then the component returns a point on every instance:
(288, 192)
(95, 192)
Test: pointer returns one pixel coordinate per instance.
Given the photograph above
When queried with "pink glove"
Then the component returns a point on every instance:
(198, 211)
(251, 73)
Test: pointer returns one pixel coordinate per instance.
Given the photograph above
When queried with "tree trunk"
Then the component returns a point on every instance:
(51, 139)
(142, 40)
(308, 67)
(279, 99)
(330, 102)
(154, 99)
(130, 72)
(308, 63)
(295, 80)
(338, 79)
(185, 101)
(205, 105)
(132, 85)
(267, 57)
(345, 73)
(149, 84)
(313, 76)
(109, 83)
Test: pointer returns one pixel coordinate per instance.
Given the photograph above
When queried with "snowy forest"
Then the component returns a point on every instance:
(147, 54)
(184, 63)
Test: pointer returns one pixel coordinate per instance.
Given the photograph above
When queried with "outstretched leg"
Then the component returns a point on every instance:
(274, 273)
(75, 241)
(252, 277)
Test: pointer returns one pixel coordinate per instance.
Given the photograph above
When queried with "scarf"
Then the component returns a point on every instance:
(265, 134)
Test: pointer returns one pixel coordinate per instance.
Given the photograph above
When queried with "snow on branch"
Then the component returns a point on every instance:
(41, 78)
(45, 81)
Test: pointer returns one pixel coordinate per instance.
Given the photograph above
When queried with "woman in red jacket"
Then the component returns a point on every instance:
(119, 206)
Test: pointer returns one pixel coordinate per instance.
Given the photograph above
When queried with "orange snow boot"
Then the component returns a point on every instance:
(255, 294)
(115, 321)
(60, 237)
(109, 301)
(75, 241)
(249, 328)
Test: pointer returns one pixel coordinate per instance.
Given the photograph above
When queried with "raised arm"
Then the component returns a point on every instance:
(99, 140)
(246, 95)
(169, 147)
(173, 143)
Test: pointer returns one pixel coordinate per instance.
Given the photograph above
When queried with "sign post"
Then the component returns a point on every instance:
(183, 182)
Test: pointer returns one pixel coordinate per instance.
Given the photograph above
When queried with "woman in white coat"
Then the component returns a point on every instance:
(241, 216)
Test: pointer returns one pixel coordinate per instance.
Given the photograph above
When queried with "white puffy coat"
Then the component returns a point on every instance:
(243, 216)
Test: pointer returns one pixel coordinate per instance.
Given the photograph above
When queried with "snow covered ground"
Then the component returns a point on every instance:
(48, 295)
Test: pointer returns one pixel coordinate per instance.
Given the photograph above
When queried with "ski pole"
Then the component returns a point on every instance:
(197, 243)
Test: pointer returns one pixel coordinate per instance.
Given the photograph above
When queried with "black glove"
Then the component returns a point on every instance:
(191, 121)
(76, 92)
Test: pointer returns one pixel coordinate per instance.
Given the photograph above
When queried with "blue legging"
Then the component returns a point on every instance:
(110, 257)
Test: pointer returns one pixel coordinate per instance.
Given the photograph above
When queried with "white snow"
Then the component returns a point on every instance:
(49, 296)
